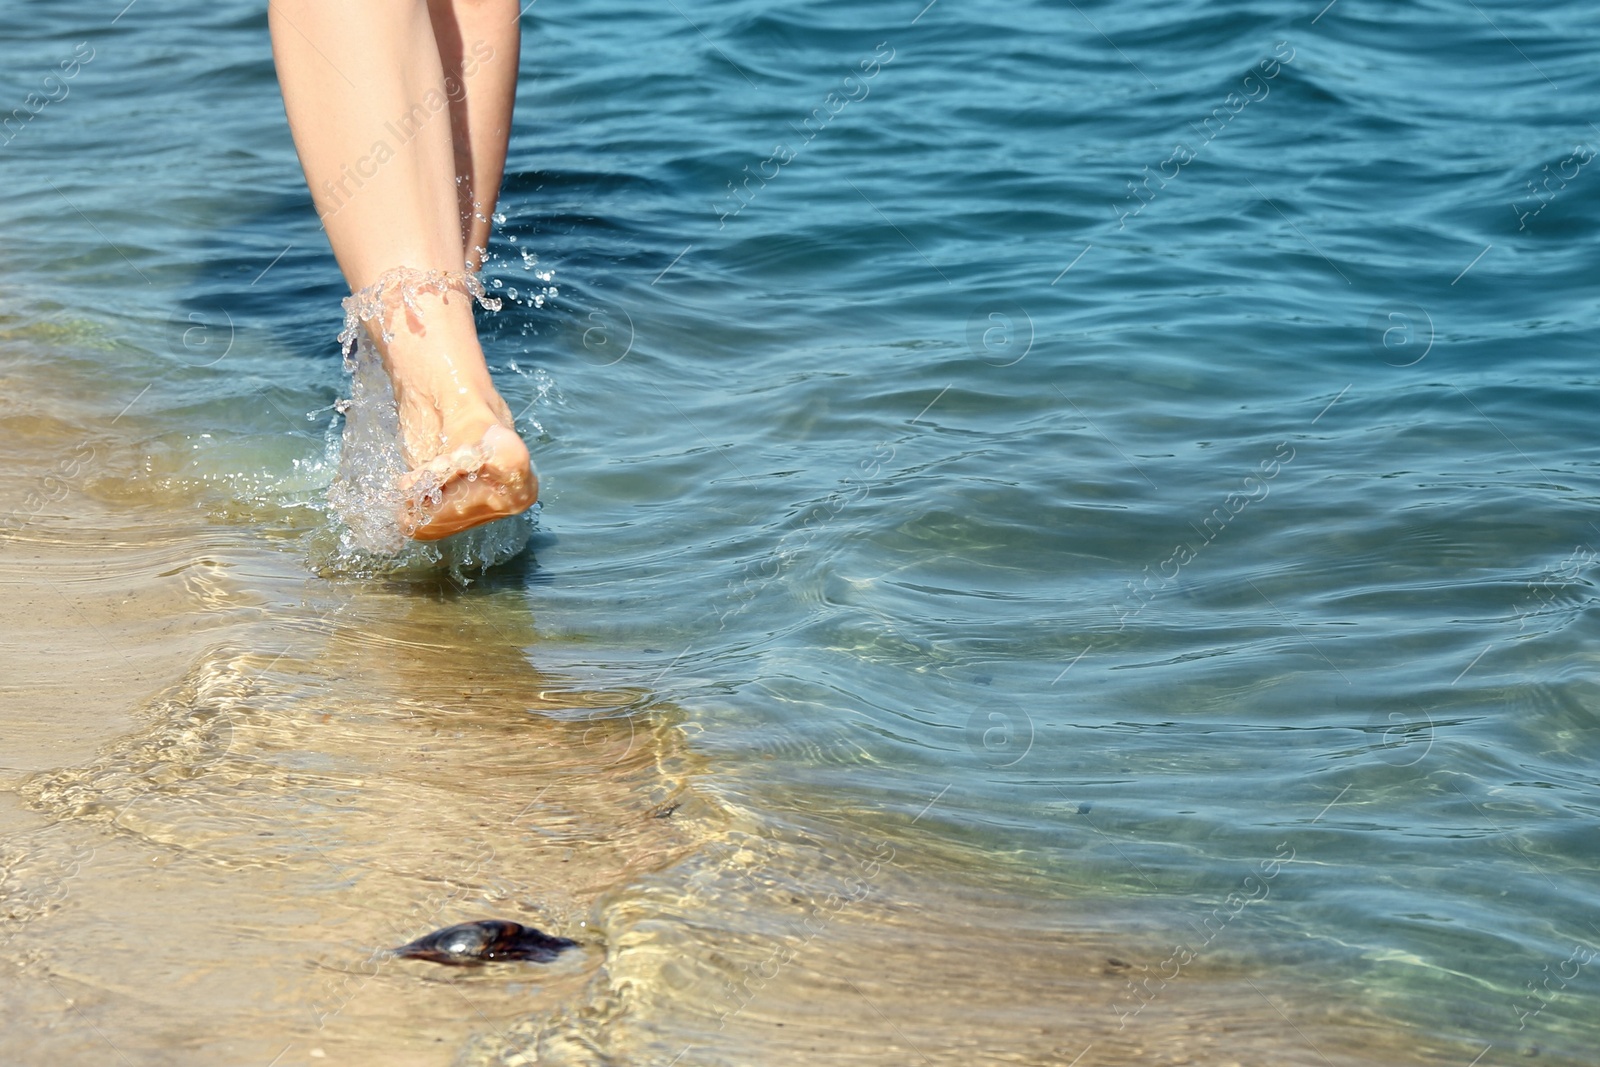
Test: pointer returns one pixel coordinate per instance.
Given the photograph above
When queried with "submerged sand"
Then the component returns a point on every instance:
(228, 784)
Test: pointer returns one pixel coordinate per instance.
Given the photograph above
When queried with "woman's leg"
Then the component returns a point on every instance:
(369, 105)
(479, 41)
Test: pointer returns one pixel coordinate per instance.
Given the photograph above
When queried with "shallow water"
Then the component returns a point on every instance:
(982, 610)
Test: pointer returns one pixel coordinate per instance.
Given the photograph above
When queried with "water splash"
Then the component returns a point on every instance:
(377, 302)
(546, 394)
(367, 494)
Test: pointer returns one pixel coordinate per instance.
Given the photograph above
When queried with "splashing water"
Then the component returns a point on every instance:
(405, 285)
(367, 494)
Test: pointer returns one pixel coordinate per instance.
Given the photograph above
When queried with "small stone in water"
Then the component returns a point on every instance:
(491, 940)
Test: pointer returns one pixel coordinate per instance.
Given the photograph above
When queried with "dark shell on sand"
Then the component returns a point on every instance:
(492, 940)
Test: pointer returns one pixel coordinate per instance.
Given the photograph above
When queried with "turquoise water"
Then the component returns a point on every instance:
(1111, 447)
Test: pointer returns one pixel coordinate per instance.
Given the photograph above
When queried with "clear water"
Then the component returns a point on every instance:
(1088, 509)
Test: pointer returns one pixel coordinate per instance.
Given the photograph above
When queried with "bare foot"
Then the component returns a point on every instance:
(468, 487)
(468, 466)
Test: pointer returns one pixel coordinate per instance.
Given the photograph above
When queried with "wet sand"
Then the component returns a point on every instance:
(229, 784)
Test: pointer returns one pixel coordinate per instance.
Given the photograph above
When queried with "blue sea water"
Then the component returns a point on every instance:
(1125, 453)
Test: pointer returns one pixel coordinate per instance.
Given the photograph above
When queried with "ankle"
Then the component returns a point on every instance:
(421, 324)
(442, 368)
(412, 315)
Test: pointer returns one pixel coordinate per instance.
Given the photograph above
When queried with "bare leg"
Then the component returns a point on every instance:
(369, 104)
(479, 41)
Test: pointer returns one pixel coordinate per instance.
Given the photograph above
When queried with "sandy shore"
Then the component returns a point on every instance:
(229, 784)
